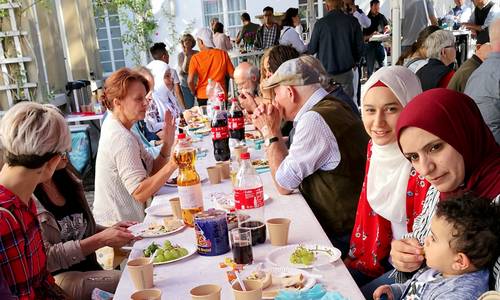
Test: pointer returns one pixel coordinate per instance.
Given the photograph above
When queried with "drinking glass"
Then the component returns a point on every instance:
(241, 244)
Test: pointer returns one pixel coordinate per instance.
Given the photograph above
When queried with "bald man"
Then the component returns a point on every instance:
(484, 84)
(246, 78)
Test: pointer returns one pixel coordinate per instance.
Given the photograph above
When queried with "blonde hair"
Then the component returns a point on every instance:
(32, 133)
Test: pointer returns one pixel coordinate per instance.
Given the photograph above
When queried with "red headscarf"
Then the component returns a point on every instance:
(456, 119)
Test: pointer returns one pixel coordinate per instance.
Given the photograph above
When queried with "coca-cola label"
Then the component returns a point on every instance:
(236, 123)
(249, 198)
(220, 133)
(190, 196)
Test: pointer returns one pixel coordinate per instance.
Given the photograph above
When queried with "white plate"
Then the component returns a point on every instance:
(138, 230)
(203, 178)
(310, 280)
(159, 210)
(281, 256)
(191, 250)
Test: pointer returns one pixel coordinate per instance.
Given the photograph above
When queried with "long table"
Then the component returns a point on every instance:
(178, 278)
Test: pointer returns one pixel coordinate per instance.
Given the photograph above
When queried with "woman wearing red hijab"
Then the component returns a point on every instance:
(444, 136)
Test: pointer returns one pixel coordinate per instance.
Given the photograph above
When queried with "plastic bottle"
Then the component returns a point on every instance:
(220, 135)
(236, 121)
(219, 96)
(210, 96)
(188, 181)
(182, 123)
(249, 200)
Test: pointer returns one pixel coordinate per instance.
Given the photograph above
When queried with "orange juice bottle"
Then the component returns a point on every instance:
(188, 181)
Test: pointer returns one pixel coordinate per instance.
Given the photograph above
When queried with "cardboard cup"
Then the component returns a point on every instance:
(214, 174)
(149, 294)
(175, 205)
(238, 150)
(278, 231)
(225, 169)
(253, 290)
(206, 292)
(141, 272)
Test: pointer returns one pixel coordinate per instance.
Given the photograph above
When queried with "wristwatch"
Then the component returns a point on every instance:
(268, 142)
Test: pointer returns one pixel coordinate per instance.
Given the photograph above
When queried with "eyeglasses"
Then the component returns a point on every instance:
(451, 46)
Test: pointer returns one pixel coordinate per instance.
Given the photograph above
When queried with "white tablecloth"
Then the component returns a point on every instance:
(178, 278)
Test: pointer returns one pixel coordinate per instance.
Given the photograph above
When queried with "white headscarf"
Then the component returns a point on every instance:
(161, 93)
(387, 179)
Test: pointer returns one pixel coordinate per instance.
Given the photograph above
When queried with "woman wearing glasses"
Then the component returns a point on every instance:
(34, 139)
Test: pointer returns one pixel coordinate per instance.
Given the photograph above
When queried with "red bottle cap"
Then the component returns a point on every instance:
(181, 136)
(234, 100)
(245, 155)
(216, 107)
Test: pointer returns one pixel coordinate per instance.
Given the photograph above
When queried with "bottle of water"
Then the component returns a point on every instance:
(249, 200)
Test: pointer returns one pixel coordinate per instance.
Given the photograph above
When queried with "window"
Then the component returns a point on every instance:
(108, 29)
(230, 17)
(304, 13)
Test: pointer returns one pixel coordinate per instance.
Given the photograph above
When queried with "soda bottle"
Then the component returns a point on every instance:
(249, 200)
(188, 181)
(236, 121)
(182, 123)
(220, 135)
(219, 96)
(210, 96)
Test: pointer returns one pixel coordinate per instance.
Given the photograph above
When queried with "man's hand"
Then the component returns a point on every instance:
(247, 101)
(267, 119)
(385, 289)
(407, 255)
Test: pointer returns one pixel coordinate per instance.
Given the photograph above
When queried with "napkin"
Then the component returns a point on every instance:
(317, 292)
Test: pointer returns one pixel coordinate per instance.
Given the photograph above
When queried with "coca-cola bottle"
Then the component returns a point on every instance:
(236, 121)
(249, 200)
(219, 96)
(210, 96)
(220, 135)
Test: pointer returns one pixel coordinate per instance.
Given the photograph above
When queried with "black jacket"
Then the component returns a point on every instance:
(338, 41)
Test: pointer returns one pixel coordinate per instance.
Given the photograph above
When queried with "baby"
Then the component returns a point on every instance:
(463, 242)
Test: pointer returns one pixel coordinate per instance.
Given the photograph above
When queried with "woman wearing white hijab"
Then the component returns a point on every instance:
(163, 98)
(392, 193)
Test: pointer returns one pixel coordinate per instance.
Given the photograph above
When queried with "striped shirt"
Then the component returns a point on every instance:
(310, 129)
(422, 227)
(22, 257)
(269, 36)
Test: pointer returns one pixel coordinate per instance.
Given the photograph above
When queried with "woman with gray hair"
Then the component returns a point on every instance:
(441, 53)
(34, 139)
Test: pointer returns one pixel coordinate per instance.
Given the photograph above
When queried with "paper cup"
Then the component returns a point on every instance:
(278, 231)
(238, 150)
(206, 292)
(253, 290)
(141, 273)
(149, 294)
(225, 170)
(491, 295)
(175, 204)
(214, 174)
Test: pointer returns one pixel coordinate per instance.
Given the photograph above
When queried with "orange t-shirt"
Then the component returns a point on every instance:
(212, 64)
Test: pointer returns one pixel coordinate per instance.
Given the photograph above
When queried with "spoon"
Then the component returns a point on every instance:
(153, 256)
(243, 288)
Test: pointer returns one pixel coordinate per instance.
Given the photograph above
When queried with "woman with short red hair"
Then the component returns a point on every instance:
(126, 174)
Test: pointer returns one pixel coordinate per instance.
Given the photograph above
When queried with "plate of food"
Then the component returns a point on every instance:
(260, 164)
(168, 252)
(150, 230)
(281, 278)
(303, 256)
(172, 182)
(253, 135)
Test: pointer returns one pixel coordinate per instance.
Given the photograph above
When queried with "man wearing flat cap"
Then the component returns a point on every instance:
(327, 155)
(209, 63)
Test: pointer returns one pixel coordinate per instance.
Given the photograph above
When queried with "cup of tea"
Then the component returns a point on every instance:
(148, 294)
(214, 174)
(253, 290)
(224, 168)
(206, 292)
(278, 231)
(175, 205)
(241, 245)
(141, 272)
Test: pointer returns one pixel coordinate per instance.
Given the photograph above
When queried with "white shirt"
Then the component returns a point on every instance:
(122, 164)
(310, 129)
(492, 15)
(363, 19)
(290, 37)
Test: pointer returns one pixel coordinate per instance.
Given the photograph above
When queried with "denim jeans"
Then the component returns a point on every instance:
(375, 52)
